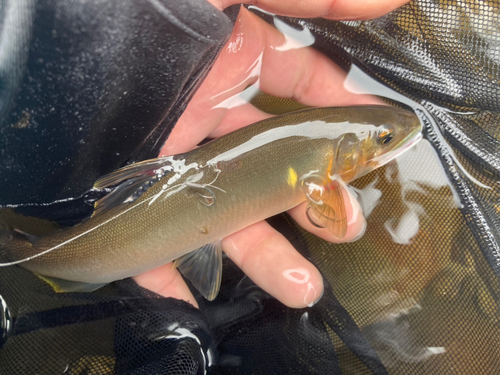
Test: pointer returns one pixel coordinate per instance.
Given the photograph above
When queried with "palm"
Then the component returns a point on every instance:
(302, 74)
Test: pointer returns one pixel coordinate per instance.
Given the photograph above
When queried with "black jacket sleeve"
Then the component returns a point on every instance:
(89, 86)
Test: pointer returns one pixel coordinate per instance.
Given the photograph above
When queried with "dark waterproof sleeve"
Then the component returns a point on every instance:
(88, 86)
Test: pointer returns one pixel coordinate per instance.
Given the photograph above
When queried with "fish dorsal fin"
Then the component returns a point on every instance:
(203, 267)
(127, 192)
(133, 180)
(150, 167)
(327, 206)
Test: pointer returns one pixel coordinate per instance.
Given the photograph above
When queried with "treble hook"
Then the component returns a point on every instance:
(206, 200)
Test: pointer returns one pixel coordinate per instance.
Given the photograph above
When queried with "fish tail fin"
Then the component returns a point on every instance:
(17, 245)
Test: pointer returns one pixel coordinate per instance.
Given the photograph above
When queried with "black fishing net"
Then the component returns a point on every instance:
(417, 294)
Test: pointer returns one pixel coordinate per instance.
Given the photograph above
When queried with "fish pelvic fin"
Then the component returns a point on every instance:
(129, 183)
(68, 286)
(203, 267)
(326, 207)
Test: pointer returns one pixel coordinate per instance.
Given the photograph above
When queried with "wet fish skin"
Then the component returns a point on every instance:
(186, 201)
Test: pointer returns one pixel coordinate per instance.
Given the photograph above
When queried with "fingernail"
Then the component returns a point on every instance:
(361, 233)
(354, 209)
(311, 296)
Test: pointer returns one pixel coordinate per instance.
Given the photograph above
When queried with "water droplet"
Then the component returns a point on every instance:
(5, 321)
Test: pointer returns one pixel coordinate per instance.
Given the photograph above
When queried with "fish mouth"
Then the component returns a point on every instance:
(416, 138)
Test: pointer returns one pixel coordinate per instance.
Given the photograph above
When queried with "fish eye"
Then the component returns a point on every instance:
(385, 137)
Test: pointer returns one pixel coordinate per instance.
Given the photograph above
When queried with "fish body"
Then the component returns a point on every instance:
(165, 208)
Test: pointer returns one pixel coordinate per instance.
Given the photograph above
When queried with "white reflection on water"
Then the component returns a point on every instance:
(368, 197)
(359, 82)
(413, 177)
(294, 38)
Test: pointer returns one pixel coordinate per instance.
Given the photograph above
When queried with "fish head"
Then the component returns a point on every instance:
(380, 134)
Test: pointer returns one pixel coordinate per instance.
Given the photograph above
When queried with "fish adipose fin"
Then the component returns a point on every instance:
(203, 267)
(130, 183)
(30, 237)
(19, 234)
(326, 206)
(68, 286)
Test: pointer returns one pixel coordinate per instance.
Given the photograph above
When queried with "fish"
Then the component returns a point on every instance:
(180, 207)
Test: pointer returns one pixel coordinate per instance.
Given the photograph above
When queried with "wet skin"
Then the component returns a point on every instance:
(302, 74)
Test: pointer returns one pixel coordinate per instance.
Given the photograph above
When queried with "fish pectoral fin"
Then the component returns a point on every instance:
(68, 286)
(203, 267)
(132, 181)
(330, 210)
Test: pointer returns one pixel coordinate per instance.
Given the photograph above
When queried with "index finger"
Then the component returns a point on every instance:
(332, 9)
(253, 53)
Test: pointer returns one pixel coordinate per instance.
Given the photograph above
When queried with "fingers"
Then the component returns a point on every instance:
(237, 118)
(267, 257)
(253, 54)
(273, 264)
(167, 282)
(235, 68)
(356, 223)
(333, 9)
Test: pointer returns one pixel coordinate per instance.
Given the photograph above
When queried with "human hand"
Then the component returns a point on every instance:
(301, 74)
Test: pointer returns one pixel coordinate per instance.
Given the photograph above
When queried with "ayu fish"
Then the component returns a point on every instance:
(180, 207)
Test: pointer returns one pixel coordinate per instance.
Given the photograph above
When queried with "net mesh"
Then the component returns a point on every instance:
(419, 293)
